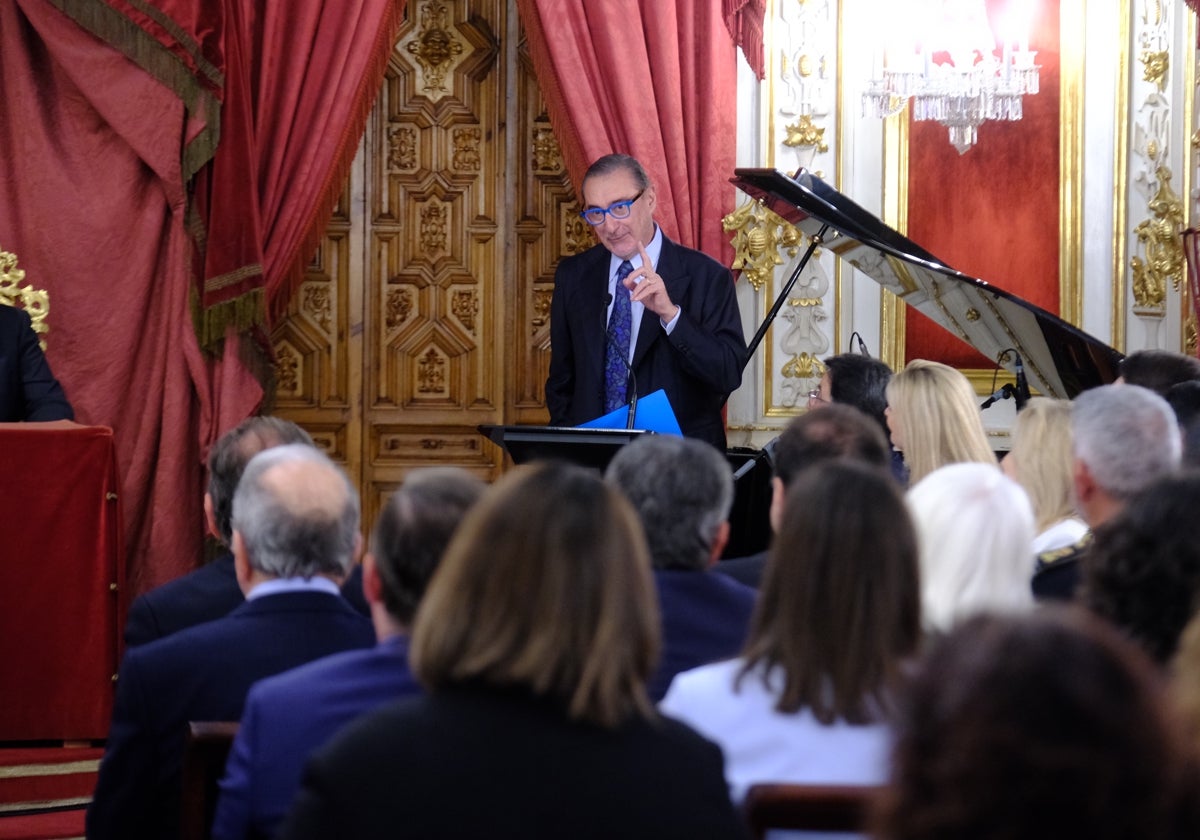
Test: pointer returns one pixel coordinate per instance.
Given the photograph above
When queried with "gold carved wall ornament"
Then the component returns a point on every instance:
(759, 236)
(1156, 66)
(435, 48)
(35, 302)
(806, 133)
(1162, 249)
(541, 308)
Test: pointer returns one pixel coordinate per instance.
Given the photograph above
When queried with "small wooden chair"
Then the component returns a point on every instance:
(829, 808)
(205, 749)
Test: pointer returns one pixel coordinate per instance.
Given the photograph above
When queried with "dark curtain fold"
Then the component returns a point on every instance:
(656, 79)
(168, 167)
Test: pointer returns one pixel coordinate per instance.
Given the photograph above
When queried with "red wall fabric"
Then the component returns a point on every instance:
(993, 212)
(656, 79)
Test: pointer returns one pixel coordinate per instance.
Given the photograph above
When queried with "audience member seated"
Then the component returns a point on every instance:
(295, 535)
(933, 415)
(860, 381)
(534, 642)
(975, 527)
(1184, 400)
(1040, 461)
(289, 715)
(1185, 680)
(1158, 370)
(1123, 437)
(1038, 727)
(682, 490)
(837, 431)
(212, 590)
(1143, 567)
(28, 389)
(809, 699)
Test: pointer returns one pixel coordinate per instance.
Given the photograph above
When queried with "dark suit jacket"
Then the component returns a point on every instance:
(747, 570)
(210, 592)
(28, 390)
(699, 364)
(288, 717)
(705, 618)
(202, 673)
(486, 762)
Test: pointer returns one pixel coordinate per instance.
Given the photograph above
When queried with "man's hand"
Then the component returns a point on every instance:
(648, 288)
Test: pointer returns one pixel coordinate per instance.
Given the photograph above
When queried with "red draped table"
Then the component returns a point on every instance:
(60, 575)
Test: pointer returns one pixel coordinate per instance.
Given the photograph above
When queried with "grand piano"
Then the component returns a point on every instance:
(1060, 359)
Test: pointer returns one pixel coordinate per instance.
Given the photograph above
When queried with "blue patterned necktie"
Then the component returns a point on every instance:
(616, 353)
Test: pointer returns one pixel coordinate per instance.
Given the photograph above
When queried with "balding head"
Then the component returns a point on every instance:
(296, 514)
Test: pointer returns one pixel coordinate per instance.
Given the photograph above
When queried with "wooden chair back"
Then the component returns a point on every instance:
(205, 749)
(828, 808)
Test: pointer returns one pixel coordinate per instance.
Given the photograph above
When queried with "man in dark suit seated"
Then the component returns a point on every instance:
(290, 715)
(212, 590)
(295, 536)
(28, 389)
(671, 314)
(682, 491)
(835, 431)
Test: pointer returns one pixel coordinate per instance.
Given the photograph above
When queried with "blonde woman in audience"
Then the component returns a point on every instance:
(534, 642)
(933, 417)
(975, 527)
(1041, 462)
(809, 699)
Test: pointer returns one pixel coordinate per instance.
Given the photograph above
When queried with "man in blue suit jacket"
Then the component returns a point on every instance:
(28, 390)
(289, 716)
(211, 591)
(682, 490)
(295, 535)
(687, 331)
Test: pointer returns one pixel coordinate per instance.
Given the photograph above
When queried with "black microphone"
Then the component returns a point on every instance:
(632, 376)
(1022, 390)
(1004, 393)
(862, 347)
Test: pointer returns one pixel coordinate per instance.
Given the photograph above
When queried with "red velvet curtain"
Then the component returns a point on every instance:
(107, 108)
(656, 79)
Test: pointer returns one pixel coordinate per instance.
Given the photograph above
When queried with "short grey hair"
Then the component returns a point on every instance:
(1126, 435)
(297, 513)
(682, 490)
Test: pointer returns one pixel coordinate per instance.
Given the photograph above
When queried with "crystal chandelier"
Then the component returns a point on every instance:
(972, 86)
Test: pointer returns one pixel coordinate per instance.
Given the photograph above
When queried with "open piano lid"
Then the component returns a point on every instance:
(1060, 359)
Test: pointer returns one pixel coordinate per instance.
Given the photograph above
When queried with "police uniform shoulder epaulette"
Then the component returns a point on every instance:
(1057, 555)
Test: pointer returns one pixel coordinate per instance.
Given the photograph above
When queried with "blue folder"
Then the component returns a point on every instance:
(654, 414)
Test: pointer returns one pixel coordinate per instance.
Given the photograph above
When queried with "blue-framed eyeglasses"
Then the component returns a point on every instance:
(618, 210)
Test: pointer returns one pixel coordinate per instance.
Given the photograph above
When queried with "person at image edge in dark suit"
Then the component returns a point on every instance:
(686, 330)
(28, 389)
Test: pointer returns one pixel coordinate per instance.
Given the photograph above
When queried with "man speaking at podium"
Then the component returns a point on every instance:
(642, 303)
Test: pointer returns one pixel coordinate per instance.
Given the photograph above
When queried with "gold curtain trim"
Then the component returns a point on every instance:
(229, 278)
(135, 44)
(242, 313)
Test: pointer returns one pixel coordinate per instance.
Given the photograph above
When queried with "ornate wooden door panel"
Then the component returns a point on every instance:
(425, 312)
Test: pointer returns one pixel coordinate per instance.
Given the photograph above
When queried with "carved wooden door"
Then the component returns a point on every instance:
(425, 311)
